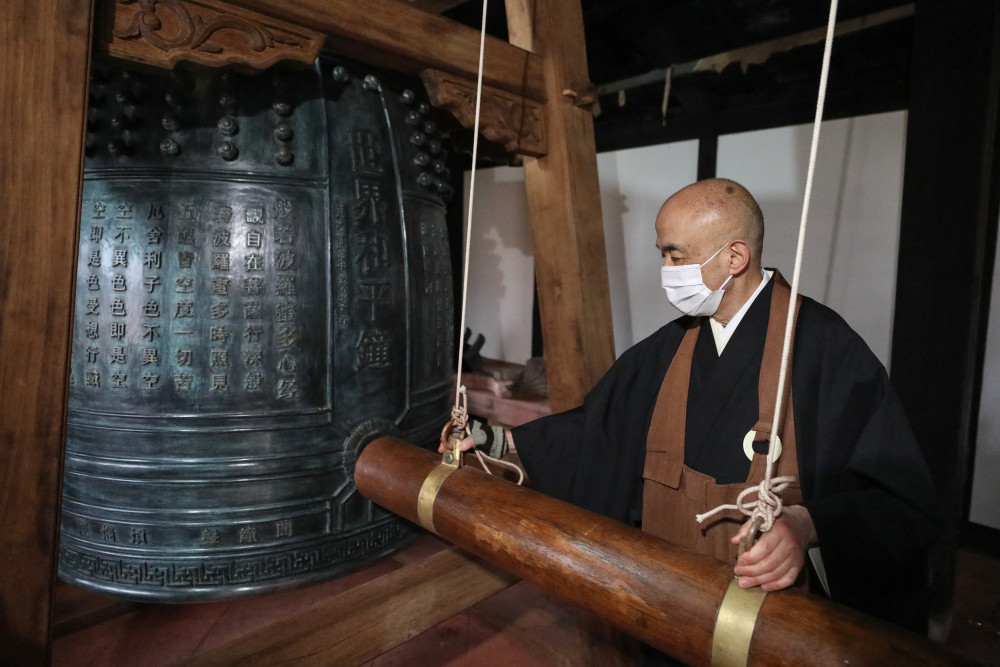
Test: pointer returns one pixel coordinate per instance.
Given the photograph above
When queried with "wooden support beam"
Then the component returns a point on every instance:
(44, 48)
(393, 34)
(362, 623)
(564, 203)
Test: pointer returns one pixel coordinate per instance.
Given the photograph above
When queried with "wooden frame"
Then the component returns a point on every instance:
(45, 47)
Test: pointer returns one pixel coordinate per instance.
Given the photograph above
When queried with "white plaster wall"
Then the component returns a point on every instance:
(985, 506)
(634, 183)
(501, 264)
(851, 242)
(850, 250)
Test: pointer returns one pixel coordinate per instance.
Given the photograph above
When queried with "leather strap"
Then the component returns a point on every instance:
(770, 365)
(670, 414)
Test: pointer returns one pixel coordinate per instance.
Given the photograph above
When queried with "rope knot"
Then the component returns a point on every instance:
(767, 505)
(459, 415)
(460, 422)
(460, 419)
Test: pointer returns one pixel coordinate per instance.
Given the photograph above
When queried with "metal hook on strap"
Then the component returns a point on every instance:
(451, 461)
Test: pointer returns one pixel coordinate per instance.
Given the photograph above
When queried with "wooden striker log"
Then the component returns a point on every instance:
(661, 594)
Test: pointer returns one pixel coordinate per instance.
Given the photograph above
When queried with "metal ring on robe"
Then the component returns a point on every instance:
(737, 616)
(751, 437)
(450, 462)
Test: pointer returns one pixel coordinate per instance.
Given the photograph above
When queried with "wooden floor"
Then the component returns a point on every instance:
(975, 627)
(520, 625)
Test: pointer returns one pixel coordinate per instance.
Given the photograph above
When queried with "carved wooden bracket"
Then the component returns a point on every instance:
(162, 33)
(515, 122)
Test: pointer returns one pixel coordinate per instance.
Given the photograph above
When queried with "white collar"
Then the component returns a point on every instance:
(723, 333)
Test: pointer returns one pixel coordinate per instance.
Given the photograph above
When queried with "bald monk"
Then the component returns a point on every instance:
(680, 424)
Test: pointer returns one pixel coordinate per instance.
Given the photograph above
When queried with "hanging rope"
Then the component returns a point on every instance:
(459, 415)
(483, 458)
(460, 412)
(459, 424)
(768, 505)
(459, 388)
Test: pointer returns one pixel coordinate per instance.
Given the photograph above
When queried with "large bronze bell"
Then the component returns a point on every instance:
(263, 283)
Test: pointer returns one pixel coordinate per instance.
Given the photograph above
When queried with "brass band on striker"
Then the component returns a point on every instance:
(735, 624)
(428, 494)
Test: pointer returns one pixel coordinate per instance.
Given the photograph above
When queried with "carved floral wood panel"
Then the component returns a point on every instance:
(164, 32)
(508, 119)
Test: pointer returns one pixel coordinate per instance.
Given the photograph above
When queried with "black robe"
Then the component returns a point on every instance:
(863, 476)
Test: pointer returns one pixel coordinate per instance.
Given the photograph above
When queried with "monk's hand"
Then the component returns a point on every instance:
(490, 440)
(465, 445)
(775, 561)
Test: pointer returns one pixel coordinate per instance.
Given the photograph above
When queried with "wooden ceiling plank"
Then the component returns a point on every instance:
(759, 53)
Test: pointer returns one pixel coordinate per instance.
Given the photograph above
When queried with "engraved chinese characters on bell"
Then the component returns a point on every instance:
(242, 324)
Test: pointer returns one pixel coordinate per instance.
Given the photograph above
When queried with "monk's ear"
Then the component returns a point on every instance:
(739, 257)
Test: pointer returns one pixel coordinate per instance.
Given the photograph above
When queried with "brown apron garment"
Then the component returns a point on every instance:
(674, 493)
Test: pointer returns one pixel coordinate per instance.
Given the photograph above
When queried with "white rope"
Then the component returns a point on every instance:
(767, 509)
(768, 506)
(772, 497)
(472, 196)
(460, 413)
(507, 464)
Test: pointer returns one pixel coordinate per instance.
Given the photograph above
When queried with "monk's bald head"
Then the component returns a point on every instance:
(720, 210)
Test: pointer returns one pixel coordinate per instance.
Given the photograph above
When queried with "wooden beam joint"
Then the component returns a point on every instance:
(583, 94)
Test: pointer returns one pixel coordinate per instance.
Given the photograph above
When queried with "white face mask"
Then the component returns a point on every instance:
(687, 291)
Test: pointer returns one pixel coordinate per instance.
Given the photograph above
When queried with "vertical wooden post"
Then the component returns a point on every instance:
(44, 48)
(564, 203)
(571, 266)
